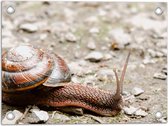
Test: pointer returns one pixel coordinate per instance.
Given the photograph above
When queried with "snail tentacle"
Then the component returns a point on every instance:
(123, 72)
(118, 90)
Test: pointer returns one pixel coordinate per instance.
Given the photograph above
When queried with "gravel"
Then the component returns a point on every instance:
(94, 56)
(137, 91)
(29, 27)
(69, 37)
(161, 76)
(91, 45)
(38, 116)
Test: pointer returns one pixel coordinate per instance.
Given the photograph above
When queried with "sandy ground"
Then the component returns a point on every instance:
(132, 26)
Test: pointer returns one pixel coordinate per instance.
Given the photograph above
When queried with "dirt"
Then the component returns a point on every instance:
(55, 19)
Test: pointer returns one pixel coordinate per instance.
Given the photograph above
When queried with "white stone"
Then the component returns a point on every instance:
(107, 56)
(70, 37)
(91, 45)
(130, 110)
(102, 12)
(94, 56)
(75, 79)
(120, 37)
(141, 113)
(29, 27)
(91, 20)
(161, 76)
(105, 74)
(75, 68)
(137, 91)
(43, 36)
(130, 98)
(42, 115)
(152, 52)
(148, 61)
(162, 120)
(94, 30)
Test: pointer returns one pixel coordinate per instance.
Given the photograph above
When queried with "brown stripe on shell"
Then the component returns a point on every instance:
(21, 80)
(13, 66)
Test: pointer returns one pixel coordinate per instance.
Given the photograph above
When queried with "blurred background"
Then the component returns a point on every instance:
(93, 38)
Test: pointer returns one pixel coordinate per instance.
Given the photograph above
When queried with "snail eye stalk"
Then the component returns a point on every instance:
(118, 91)
(124, 71)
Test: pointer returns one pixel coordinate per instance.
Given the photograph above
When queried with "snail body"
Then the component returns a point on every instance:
(45, 81)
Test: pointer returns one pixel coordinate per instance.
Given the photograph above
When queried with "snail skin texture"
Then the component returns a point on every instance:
(33, 76)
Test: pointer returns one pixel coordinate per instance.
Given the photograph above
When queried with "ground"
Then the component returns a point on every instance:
(75, 29)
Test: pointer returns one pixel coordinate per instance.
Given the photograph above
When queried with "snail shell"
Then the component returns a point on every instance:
(26, 67)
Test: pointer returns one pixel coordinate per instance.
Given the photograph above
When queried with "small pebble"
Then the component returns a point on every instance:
(70, 37)
(104, 48)
(143, 97)
(164, 51)
(38, 116)
(43, 36)
(91, 45)
(74, 79)
(94, 56)
(77, 55)
(94, 30)
(162, 120)
(130, 98)
(83, 63)
(145, 108)
(140, 112)
(105, 74)
(107, 56)
(159, 54)
(102, 12)
(121, 38)
(130, 110)
(148, 61)
(91, 20)
(75, 68)
(152, 52)
(12, 117)
(125, 93)
(137, 91)
(161, 76)
(164, 70)
(29, 28)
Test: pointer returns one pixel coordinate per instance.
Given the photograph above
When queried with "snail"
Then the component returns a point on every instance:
(33, 76)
